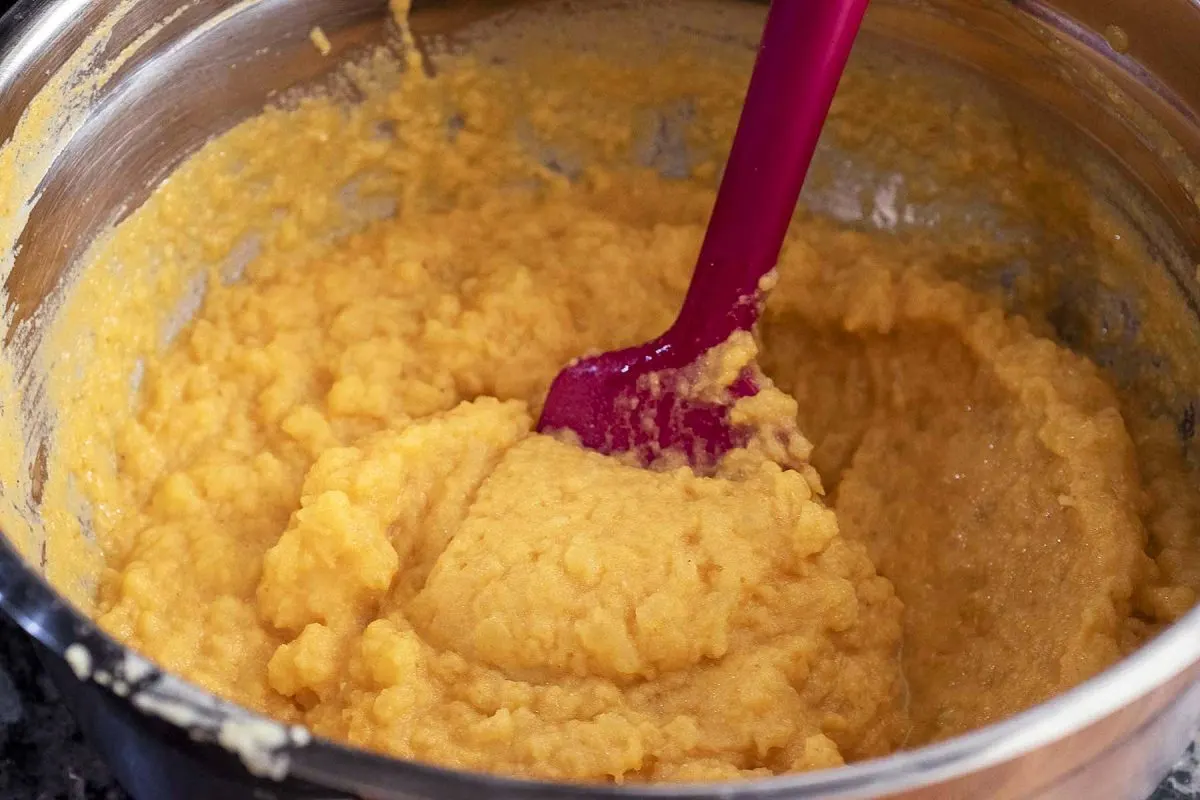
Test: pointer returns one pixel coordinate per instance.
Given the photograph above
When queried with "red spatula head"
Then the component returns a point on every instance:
(633, 401)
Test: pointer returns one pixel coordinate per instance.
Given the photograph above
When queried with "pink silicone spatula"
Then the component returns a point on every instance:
(621, 401)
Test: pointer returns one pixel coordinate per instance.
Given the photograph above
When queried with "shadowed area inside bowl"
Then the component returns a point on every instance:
(288, 403)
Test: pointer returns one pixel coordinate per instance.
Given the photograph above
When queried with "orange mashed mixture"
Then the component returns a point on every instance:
(329, 504)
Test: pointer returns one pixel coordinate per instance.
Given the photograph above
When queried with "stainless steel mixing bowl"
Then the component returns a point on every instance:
(154, 79)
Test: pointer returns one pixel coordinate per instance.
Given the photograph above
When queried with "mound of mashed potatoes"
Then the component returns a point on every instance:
(329, 504)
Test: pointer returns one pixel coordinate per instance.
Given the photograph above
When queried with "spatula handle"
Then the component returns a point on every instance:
(804, 50)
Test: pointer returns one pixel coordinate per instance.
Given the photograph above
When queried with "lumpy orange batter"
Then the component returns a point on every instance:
(330, 505)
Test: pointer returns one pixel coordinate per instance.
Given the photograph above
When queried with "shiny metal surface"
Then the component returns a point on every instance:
(217, 62)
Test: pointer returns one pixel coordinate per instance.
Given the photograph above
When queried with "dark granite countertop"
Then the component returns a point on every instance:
(43, 756)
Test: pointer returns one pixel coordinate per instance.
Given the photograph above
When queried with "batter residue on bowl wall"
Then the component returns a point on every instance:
(328, 503)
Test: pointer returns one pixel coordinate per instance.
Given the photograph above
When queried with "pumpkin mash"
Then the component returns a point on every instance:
(329, 504)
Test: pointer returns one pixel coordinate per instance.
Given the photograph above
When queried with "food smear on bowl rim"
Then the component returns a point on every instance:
(327, 502)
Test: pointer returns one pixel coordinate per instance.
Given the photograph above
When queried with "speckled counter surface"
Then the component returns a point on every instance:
(1184, 782)
(43, 756)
